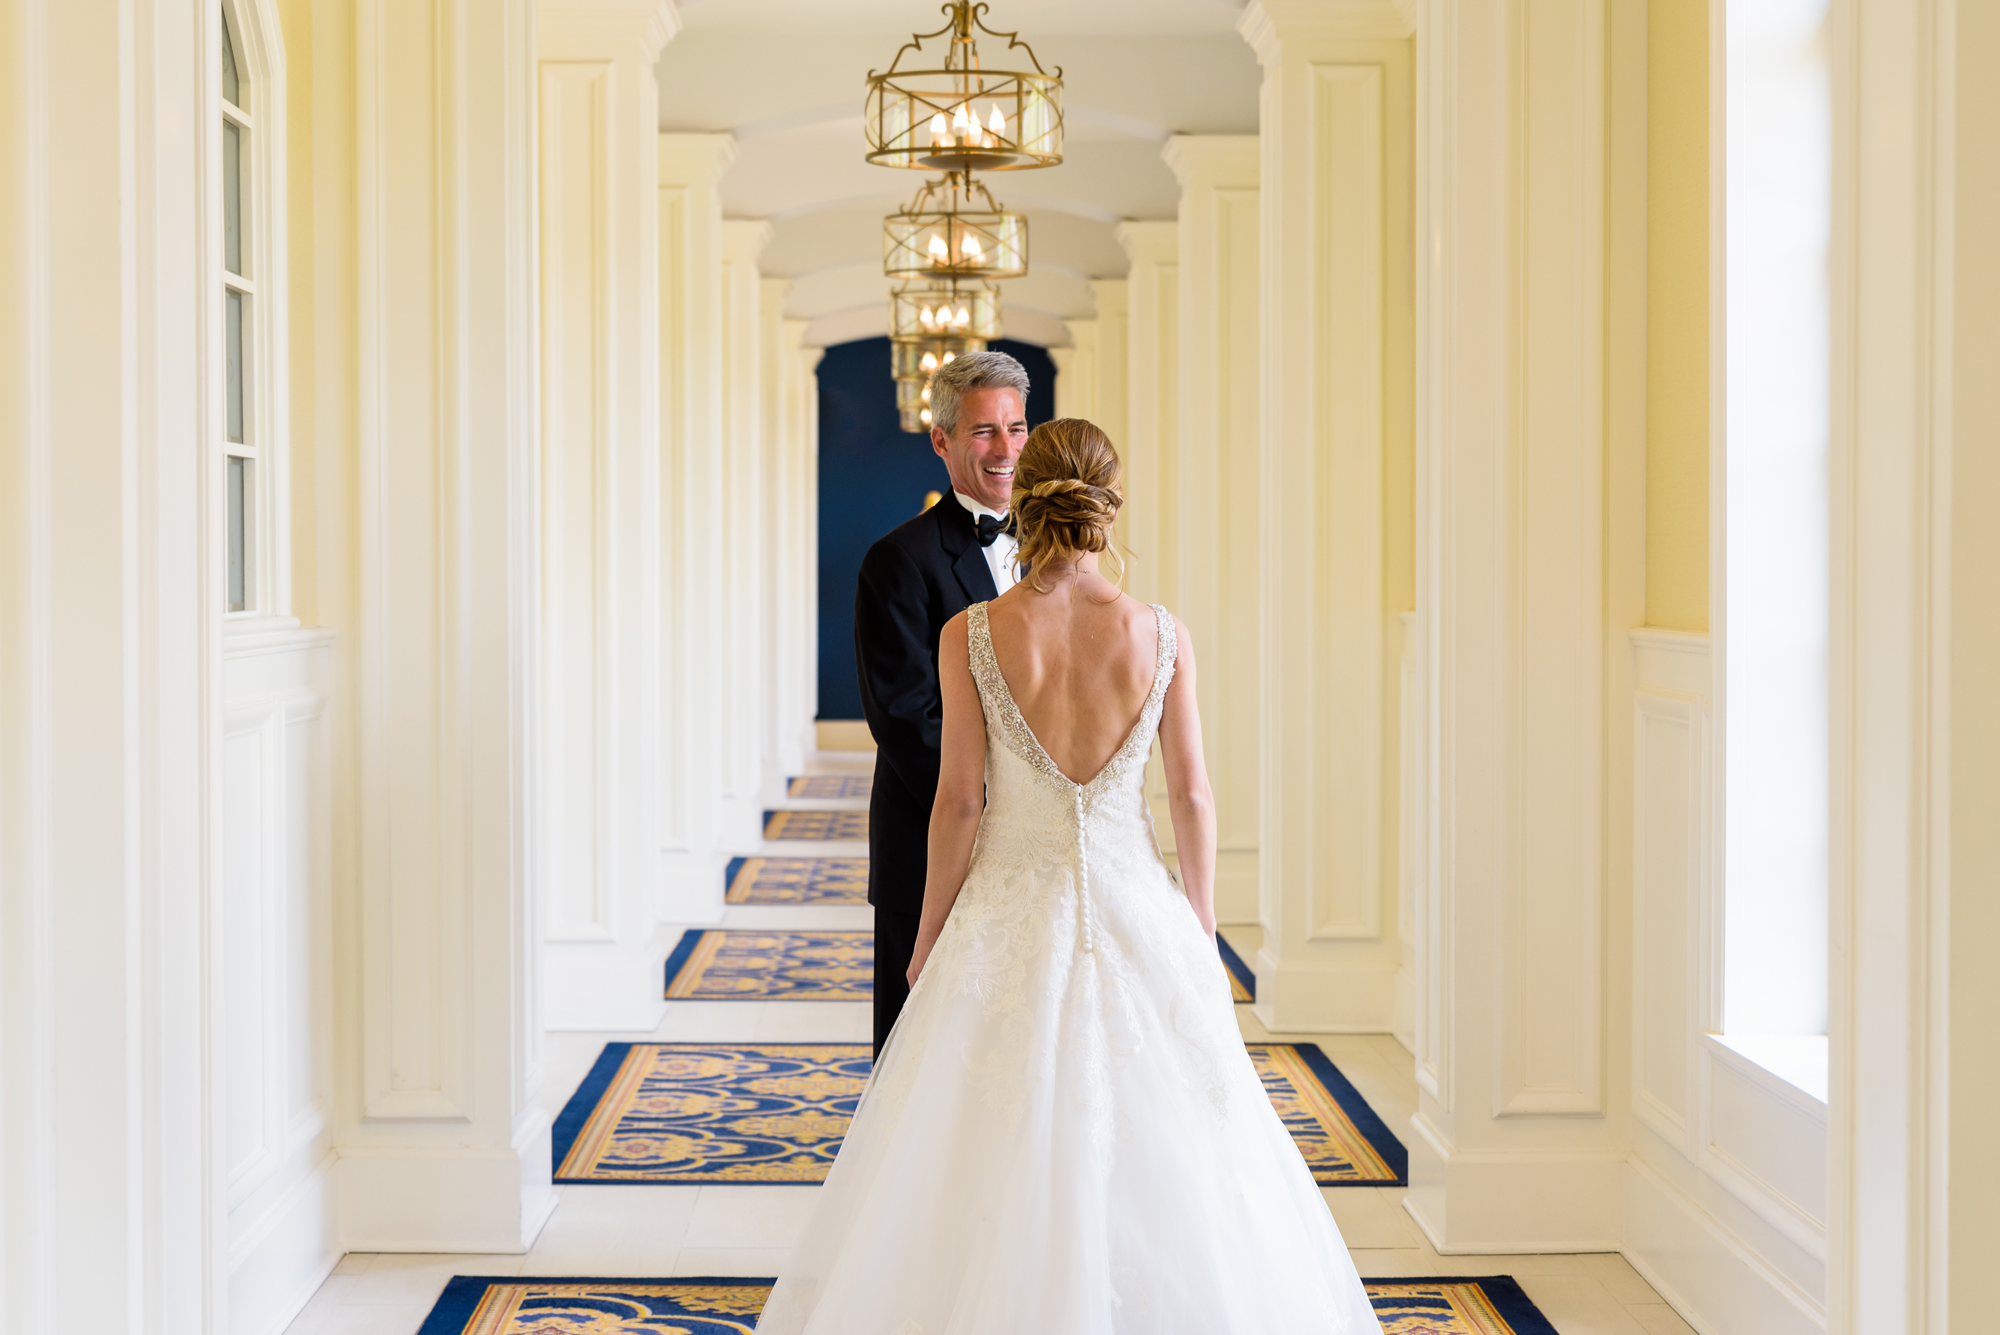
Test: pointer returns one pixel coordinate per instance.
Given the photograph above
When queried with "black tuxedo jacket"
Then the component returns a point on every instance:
(913, 581)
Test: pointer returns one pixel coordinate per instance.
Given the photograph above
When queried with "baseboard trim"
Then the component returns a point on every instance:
(286, 1254)
(396, 1199)
(1712, 1278)
(1323, 996)
(1486, 1202)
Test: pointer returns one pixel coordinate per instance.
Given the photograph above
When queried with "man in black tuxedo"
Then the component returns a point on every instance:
(958, 552)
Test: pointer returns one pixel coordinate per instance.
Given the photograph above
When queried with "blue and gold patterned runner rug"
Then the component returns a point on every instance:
(711, 1112)
(1343, 1140)
(1242, 982)
(830, 786)
(738, 965)
(776, 1112)
(798, 824)
(797, 881)
(511, 1305)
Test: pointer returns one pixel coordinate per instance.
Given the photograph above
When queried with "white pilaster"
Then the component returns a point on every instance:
(599, 109)
(802, 437)
(1519, 1136)
(1152, 437)
(445, 1146)
(1152, 413)
(1101, 357)
(111, 1150)
(1334, 135)
(745, 536)
(1216, 488)
(1090, 372)
(693, 522)
(789, 491)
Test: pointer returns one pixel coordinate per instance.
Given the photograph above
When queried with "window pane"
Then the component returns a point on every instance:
(232, 197)
(232, 85)
(1778, 401)
(239, 531)
(233, 395)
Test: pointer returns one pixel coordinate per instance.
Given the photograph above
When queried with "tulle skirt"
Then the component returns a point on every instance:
(1065, 1136)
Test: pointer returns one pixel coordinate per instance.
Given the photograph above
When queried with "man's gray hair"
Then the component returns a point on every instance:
(970, 371)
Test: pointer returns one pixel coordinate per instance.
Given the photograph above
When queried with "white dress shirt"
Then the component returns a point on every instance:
(1000, 556)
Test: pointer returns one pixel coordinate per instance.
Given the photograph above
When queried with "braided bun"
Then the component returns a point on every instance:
(1067, 492)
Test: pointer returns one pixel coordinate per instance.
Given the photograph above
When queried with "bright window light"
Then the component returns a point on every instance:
(1778, 206)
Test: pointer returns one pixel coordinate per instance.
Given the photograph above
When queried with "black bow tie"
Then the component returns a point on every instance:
(991, 528)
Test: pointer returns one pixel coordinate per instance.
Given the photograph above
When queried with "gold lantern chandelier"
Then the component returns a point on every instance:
(914, 362)
(945, 110)
(938, 108)
(954, 229)
(929, 325)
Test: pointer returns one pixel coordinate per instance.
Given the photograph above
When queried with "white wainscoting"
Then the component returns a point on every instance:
(275, 983)
(1725, 1199)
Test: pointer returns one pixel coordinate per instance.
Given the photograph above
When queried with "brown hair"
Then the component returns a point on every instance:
(1068, 487)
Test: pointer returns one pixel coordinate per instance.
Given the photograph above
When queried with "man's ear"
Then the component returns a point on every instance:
(938, 441)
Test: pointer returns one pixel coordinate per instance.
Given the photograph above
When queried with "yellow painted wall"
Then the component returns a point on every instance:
(1677, 315)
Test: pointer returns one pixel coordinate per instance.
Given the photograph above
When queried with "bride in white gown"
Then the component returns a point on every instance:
(1064, 1134)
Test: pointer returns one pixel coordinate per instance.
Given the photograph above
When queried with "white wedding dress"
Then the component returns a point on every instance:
(1064, 1134)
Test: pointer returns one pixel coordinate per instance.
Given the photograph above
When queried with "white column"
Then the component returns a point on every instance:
(691, 521)
(1152, 413)
(1216, 488)
(1518, 1141)
(600, 614)
(790, 487)
(446, 1146)
(1090, 372)
(802, 436)
(744, 535)
(1152, 438)
(1915, 656)
(111, 1153)
(1333, 129)
(1099, 356)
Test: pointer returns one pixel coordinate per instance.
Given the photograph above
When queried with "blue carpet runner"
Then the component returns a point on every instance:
(830, 785)
(512, 1305)
(776, 1112)
(801, 825)
(740, 965)
(1242, 982)
(797, 881)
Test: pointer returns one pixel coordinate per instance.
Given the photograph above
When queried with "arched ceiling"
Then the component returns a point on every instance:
(787, 77)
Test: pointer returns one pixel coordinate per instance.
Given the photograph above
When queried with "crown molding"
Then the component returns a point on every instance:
(1207, 155)
(1267, 24)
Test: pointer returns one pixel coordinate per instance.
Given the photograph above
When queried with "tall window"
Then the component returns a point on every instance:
(240, 440)
(1778, 404)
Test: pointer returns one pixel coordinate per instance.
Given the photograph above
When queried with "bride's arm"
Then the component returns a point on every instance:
(1188, 794)
(961, 792)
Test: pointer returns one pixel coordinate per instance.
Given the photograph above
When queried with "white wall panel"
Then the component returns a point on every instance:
(1216, 488)
(1334, 179)
(277, 972)
(600, 493)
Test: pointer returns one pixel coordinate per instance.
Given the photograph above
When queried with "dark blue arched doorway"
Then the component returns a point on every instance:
(872, 476)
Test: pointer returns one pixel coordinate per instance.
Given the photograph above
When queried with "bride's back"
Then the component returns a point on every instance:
(1079, 661)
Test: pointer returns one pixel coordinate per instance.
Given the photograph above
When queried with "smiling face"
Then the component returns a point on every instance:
(992, 427)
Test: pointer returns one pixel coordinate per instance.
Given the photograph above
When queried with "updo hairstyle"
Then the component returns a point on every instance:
(1068, 487)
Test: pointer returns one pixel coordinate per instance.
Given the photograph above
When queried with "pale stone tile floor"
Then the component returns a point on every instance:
(723, 1230)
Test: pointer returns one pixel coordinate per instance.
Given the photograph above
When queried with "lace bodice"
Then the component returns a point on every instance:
(1004, 721)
